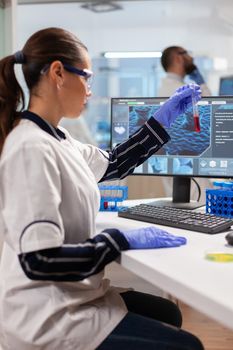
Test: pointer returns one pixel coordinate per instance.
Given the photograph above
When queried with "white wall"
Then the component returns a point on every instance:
(204, 27)
(145, 25)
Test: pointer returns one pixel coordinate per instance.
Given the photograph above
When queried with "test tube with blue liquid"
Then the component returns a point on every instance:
(196, 118)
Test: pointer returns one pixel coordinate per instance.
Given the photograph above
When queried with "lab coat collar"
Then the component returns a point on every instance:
(44, 125)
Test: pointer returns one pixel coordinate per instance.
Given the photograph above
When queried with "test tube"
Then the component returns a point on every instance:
(196, 119)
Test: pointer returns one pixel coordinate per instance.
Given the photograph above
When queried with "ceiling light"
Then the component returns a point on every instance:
(132, 54)
(102, 6)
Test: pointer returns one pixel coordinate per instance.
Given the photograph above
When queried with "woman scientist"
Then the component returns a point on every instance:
(52, 292)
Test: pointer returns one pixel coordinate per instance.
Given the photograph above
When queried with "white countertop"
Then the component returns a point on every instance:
(183, 271)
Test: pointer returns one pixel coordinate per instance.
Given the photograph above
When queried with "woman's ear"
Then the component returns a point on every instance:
(56, 72)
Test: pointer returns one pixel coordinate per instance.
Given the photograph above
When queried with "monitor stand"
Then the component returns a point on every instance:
(180, 196)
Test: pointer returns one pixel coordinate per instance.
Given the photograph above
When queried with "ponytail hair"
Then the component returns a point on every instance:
(11, 98)
(42, 48)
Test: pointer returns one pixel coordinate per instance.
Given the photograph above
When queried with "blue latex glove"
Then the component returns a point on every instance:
(177, 104)
(197, 77)
(152, 237)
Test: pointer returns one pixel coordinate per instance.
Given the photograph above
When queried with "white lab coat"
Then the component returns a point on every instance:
(173, 81)
(36, 171)
(169, 84)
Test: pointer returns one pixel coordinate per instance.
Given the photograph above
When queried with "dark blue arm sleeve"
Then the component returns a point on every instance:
(74, 262)
(125, 157)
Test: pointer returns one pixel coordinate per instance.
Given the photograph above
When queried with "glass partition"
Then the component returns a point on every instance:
(124, 77)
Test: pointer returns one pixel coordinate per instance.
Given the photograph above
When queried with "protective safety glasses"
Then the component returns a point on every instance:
(86, 73)
(185, 52)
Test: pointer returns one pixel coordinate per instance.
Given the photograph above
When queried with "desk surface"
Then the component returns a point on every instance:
(183, 272)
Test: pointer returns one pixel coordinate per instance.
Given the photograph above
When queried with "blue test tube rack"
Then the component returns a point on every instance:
(112, 197)
(219, 201)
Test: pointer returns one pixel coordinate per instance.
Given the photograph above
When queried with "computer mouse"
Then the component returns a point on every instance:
(229, 238)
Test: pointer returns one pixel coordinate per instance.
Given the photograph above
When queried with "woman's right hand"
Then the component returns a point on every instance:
(177, 104)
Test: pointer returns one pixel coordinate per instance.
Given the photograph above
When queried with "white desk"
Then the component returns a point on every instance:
(183, 272)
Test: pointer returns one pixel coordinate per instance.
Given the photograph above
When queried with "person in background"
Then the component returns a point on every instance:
(53, 294)
(178, 63)
(79, 129)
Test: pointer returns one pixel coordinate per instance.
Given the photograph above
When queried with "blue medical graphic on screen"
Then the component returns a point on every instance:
(181, 131)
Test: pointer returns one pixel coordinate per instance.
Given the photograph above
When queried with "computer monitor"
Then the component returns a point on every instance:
(226, 86)
(208, 153)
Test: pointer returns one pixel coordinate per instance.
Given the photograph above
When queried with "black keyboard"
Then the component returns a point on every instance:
(180, 218)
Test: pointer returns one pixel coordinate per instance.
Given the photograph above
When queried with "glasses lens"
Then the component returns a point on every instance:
(89, 82)
(83, 73)
(185, 52)
(182, 52)
(89, 79)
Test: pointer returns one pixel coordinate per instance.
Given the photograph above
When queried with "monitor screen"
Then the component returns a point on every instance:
(189, 153)
(226, 86)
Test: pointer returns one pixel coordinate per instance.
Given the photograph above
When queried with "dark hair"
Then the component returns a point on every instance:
(43, 47)
(167, 56)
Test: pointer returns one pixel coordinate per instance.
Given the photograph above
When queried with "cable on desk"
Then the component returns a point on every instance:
(198, 188)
